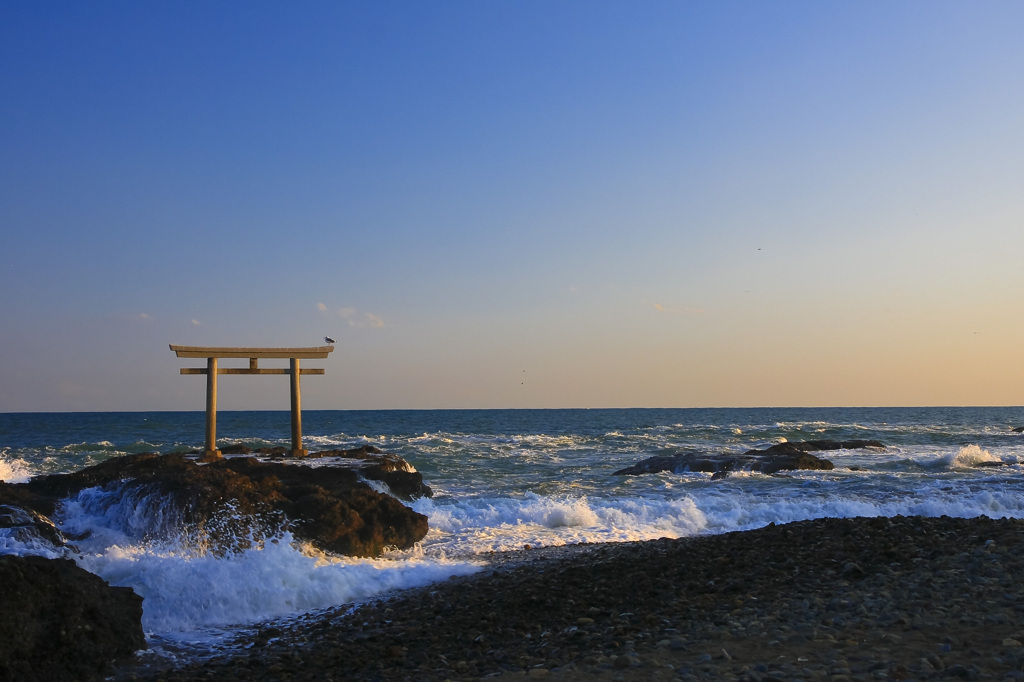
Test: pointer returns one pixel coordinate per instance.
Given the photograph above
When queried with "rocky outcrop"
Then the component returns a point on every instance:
(61, 622)
(723, 465)
(30, 530)
(779, 457)
(225, 501)
(817, 446)
(372, 464)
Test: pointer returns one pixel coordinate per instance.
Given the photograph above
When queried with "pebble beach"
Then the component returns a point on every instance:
(901, 598)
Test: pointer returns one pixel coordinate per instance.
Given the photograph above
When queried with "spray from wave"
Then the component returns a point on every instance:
(232, 571)
(969, 456)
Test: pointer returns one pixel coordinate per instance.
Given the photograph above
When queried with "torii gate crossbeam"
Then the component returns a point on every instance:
(212, 354)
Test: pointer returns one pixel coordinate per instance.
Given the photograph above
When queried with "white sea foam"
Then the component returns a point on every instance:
(14, 470)
(969, 456)
(183, 591)
(732, 512)
(504, 523)
(118, 517)
(23, 534)
(15, 541)
(188, 582)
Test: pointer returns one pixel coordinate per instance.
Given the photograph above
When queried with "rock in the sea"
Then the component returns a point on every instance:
(61, 622)
(817, 445)
(371, 463)
(780, 457)
(28, 529)
(375, 465)
(722, 465)
(330, 506)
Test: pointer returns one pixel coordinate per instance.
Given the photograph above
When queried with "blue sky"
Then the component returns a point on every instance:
(519, 204)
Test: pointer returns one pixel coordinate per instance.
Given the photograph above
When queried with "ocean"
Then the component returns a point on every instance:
(504, 480)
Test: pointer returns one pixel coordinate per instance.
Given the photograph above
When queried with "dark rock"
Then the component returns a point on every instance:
(779, 457)
(328, 506)
(31, 529)
(1019, 429)
(722, 465)
(816, 446)
(373, 464)
(235, 449)
(61, 622)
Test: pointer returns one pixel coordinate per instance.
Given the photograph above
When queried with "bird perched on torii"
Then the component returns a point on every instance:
(329, 339)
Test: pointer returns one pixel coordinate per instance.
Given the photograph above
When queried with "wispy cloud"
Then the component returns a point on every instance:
(352, 316)
(143, 316)
(673, 310)
(196, 322)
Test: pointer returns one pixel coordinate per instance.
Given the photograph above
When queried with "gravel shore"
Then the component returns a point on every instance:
(832, 599)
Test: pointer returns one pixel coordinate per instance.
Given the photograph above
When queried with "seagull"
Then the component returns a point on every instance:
(328, 339)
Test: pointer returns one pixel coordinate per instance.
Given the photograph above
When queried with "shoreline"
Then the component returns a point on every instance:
(836, 599)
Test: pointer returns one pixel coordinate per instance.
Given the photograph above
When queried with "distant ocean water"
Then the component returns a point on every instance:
(504, 479)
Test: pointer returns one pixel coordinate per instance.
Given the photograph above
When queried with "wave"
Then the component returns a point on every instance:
(969, 456)
(467, 527)
(277, 578)
(233, 571)
(15, 470)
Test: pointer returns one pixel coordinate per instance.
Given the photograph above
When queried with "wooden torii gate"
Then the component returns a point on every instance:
(254, 354)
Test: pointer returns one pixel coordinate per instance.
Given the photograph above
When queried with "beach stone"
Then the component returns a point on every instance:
(61, 622)
(912, 568)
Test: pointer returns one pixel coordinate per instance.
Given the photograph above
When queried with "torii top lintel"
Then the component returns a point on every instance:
(229, 352)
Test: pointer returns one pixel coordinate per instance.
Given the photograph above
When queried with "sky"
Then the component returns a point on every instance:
(526, 204)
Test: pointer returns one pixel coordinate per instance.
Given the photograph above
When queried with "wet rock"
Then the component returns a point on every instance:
(722, 465)
(370, 462)
(374, 465)
(780, 457)
(61, 622)
(817, 445)
(328, 506)
(31, 530)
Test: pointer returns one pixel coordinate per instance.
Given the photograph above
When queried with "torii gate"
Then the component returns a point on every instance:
(254, 354)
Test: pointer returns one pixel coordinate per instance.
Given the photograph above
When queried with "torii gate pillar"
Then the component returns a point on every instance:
(211, 371)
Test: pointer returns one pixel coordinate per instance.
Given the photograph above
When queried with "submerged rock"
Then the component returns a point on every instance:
(779, 457)
(61, 622)
(223, 502)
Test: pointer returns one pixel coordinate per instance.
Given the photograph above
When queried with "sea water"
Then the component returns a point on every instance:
(502, 480)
